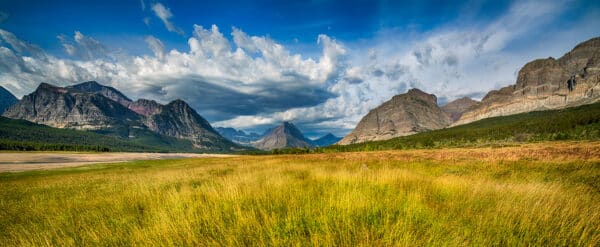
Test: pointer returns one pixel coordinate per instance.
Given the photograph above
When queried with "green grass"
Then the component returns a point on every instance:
(578, 123)
(543, 194)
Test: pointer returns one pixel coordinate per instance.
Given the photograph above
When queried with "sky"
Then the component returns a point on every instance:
(254, 64)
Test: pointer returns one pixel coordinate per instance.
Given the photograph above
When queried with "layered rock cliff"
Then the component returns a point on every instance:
(572, 80)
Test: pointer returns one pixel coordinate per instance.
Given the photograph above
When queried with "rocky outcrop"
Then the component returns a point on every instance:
(7, 99)
(405, 114)
(544, 84)
(456, 108)
(285, 135)
(326, 140)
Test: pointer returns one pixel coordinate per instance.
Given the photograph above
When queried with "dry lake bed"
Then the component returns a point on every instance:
(25, 161)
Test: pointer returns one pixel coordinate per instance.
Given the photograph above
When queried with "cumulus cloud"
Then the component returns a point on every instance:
(220, 77)
(164, 14)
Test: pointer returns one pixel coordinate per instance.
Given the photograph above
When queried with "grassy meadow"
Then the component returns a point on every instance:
(544, 194)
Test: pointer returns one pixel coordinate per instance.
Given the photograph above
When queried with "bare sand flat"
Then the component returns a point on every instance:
(25, 161)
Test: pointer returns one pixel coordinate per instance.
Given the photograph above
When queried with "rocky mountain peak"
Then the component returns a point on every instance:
(405, 114)
(106, 91)
(47, 87)
(416, 93)
(70, 108)
(284, 135)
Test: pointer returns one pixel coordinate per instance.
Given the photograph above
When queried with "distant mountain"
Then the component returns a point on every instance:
(92, 106)
(326, 140)
(285, 135)
(544, 84)
(238, 136)
(456, 108)
(7, 99)
(405, 114)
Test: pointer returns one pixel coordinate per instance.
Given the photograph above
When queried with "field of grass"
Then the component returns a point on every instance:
(544, 194)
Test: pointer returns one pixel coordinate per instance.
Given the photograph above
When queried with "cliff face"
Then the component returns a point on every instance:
(544, 84)
(283, 136)
(405, 114)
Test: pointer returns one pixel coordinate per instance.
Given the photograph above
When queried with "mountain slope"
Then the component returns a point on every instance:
(92, 106)
(7, 99)
(456, 108)
(326, 140)
(283, 136)
(405, 114)
(16, 134)
(179, 120)
(544, 84)
(577, 123)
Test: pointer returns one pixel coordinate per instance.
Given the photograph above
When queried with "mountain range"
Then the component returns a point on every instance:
(543, 84)
(285, 135)
(95, 107)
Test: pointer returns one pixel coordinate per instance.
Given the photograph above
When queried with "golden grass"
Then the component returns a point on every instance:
(541, 194)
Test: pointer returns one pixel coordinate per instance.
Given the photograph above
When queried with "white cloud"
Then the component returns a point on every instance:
(238, 81)
(157, 47)
(164, 14)
(84, 47)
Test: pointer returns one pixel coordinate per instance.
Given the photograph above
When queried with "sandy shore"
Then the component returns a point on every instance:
(25, 161)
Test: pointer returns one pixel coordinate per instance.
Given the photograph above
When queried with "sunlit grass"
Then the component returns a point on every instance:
(542, 194)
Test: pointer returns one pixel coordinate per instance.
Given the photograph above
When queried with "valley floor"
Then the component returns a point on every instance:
(26, 161)
(544, 194)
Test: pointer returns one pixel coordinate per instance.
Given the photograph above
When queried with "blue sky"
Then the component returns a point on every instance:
(252, 64)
